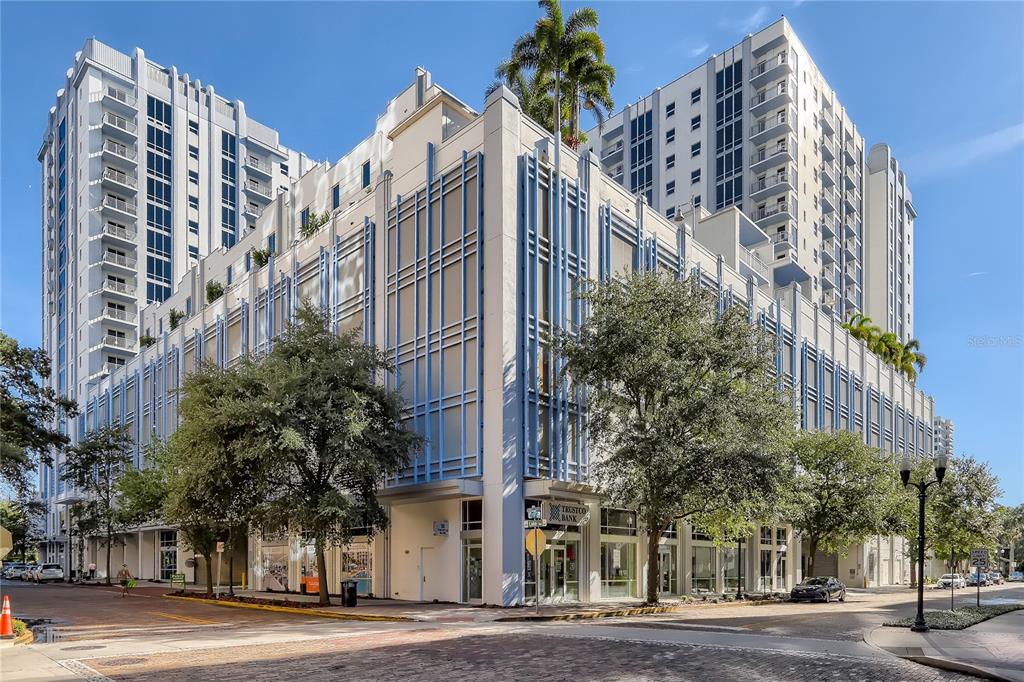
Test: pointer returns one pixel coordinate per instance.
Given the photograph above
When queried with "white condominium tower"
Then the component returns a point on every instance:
(942, 438)
(144, 172)
(758, 127)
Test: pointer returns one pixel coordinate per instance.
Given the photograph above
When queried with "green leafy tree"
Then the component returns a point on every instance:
(312, 224)
(21, 518)
(214, 290)
(684, 411)
(260, 257)
(964, 509)
(842, 492)
(28, 413)
(215, 409)
(567, 56)
(93, 466)
(329, 432)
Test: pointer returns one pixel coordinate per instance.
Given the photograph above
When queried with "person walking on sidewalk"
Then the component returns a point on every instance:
(124, 576)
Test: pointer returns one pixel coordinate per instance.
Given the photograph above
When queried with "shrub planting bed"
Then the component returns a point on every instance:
(958, 619)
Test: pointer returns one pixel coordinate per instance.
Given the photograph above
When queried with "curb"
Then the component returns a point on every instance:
(617, 613)
(956, 667)
(289, 609)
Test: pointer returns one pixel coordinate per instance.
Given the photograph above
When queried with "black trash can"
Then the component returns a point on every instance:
(348, 592)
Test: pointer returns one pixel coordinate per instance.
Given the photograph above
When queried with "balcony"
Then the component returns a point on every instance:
(253, 211)
(763, 188)
(850, 249)
(117, 152)
(111, 367)
(117, 179)
(612, 154)
(773, 214)
(849, 228)
(829, 201)
(786, 269)
(123, 317)
(119, 99)
(119, 126)
(750, 264)
(119, 289)
(120, 260)
(827, 175)
(773, 68)
(829, 278)
(256, 166)
(828, 300)
(850, 154)
(120, 343)
(119, 207)
(828, 151)
(122, 236)
(773, 97)
(782, 151)
(850, 202)
(828, 122)
(829, 226)
(828, 252)
(259, 190)
(773, 125)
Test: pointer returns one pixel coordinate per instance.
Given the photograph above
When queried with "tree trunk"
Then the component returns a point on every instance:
(209, 573)
(321, 570)
(812, 549)
(109, 542)
(653, 561)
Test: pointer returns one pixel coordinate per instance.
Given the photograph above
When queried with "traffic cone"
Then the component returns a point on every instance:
(6, 621)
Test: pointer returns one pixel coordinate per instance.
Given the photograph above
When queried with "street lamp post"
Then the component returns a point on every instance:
(922, 488)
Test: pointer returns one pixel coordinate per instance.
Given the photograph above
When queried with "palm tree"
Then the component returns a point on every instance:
(569, 55)
(533, 91)
(914, 360)
(861, 327)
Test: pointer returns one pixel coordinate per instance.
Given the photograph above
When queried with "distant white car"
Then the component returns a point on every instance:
(46, 573)
(951, 579)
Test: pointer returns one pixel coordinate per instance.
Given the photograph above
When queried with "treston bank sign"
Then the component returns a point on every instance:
(565, 513)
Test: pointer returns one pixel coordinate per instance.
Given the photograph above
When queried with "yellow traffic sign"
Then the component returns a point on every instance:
(536, 541)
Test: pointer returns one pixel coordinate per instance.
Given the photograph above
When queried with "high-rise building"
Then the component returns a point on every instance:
(888, 243)
(758, 127)
(144, 172)
(942, 437)
(454, 244)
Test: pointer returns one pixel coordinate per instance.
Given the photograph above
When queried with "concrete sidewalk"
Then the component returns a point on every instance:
(993, 649)
(25, 664)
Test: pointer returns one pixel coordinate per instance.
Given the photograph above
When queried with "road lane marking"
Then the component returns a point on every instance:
(184, 619)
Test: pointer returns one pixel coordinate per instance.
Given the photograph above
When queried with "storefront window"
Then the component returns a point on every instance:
(275, 567)
(618, 522)
(559, 573)
(765, 577)
(702, 565)
(766, 535)
(168, 554)
(357, 564)
(472, 570)
(618, 569)
(734, 563)
(667, 568)
(780, 570)
(780, 536)
(472, 515)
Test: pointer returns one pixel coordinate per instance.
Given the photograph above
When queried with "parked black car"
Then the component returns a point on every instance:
(819, 589)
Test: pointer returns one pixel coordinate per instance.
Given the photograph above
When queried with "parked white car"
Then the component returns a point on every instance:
(46, 573)
(951, 579)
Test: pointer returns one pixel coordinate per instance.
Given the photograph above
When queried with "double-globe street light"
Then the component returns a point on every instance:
(922, 487)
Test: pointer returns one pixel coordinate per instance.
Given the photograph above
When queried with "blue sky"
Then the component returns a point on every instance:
(940, 82)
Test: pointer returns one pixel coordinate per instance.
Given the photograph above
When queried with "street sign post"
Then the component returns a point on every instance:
(536, 541)
(178, 579)
(979, 559)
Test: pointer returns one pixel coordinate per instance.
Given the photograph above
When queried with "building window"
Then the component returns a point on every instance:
(670, 162)
(670, 136)
(670, 110)
(284, 169)
(336, 196)
(703, 568)
(193, 151)
(193, 177)
(695, 96)
(193, 127)
(670, 212)
(695, 177)
(695, 149)
(695, 122)
(670, 187)
(618, 521)
(168, 554)
(696, 201)
(472, 515)
(193, 226)
(304, 217)
(366, 174)
(193, 252)
(193, 202)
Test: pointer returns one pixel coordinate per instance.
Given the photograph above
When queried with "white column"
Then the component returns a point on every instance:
(138, 540)
(592, 550)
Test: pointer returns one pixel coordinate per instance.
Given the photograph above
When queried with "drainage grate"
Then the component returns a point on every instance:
(91, 647)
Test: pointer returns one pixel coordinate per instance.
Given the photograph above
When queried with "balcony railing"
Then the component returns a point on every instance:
(119, 95)
(769, 122)
(784, 237)
(119, 232)
(119, 259)
(770, 181)
(119, 287)
(617, 147)
(770, 63)
(774, 209)
(118, 341)
(120, 149)
(119, 176)
(119, 122)
(764, 154)
(119, 204)
(753, 261)
(763, 96)
(116, 314)
(253, 210)
(112, 367)
(258, 188)
(253, 162)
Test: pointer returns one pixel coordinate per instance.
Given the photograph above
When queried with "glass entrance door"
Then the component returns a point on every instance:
(667, 567)
(554, 585)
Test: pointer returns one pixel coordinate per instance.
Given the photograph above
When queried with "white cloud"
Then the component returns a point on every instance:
(748, 24)
(978, 274)
(959, 155)
(699, 50)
